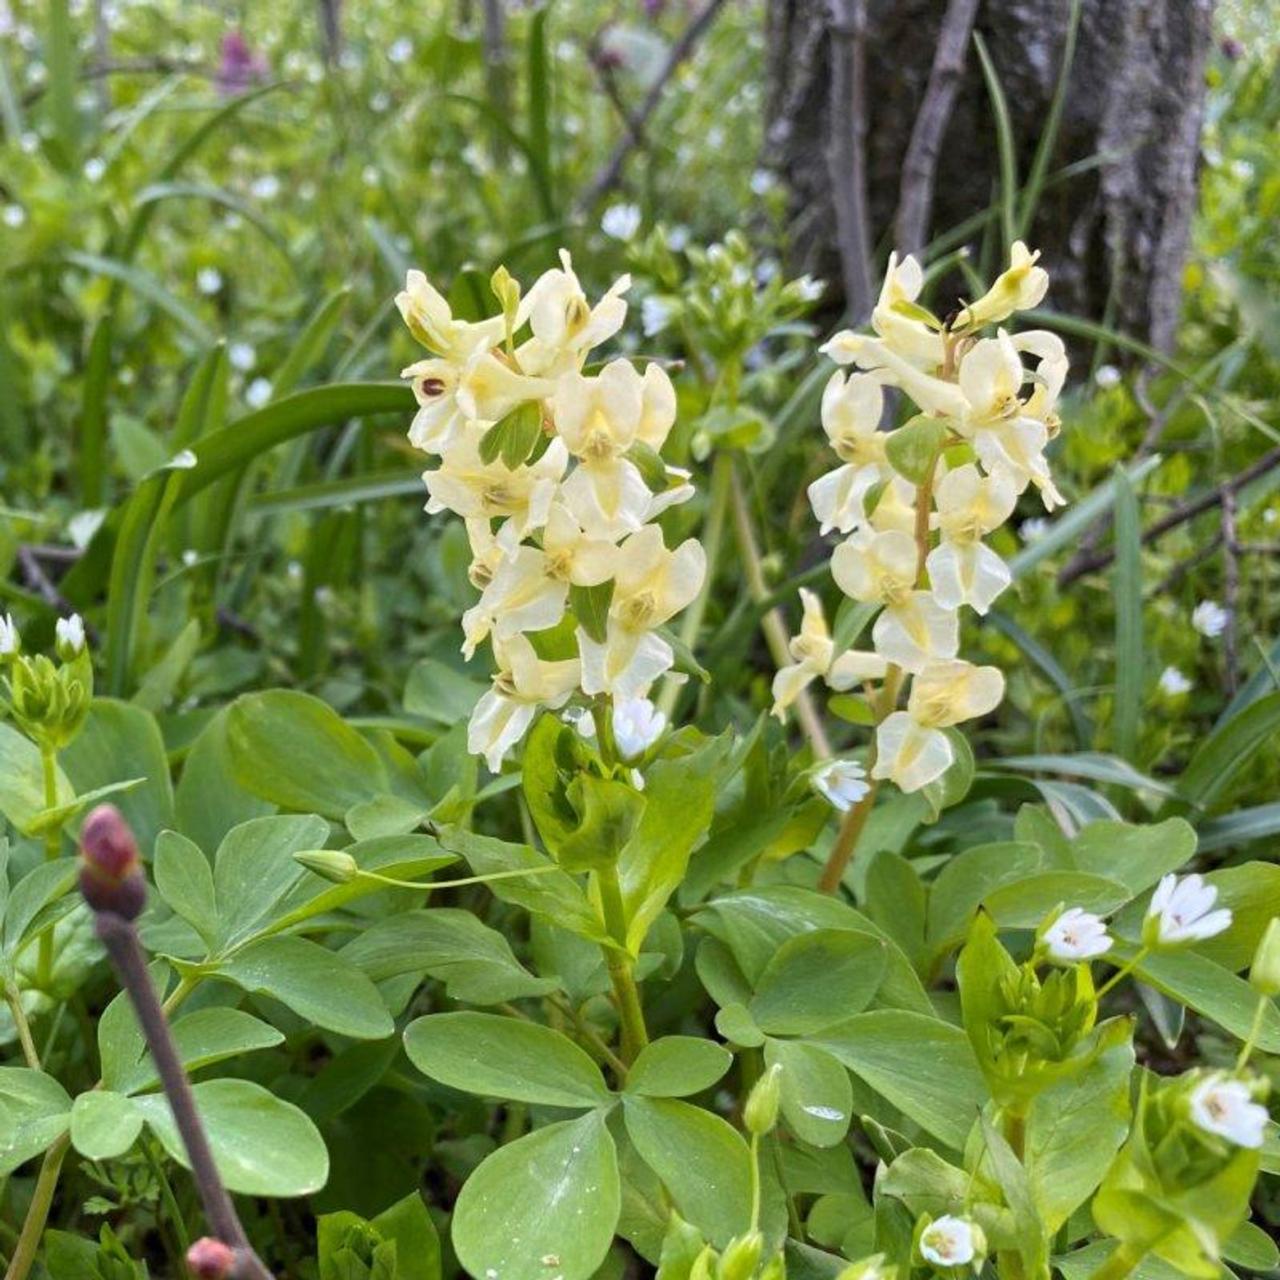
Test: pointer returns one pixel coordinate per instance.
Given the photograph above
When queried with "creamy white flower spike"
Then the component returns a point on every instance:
(841, 782)
(950, 1241)
(1076, 936)
(1225, 1107)
(1182, 912)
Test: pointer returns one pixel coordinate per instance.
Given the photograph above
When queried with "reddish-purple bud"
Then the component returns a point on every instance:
(110, 871)
(210, 1259)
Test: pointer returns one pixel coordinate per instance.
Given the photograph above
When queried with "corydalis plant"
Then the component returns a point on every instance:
(558, 476)
(916, 504)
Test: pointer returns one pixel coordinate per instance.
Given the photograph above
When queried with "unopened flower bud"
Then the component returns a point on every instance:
(1264, 973)
(110, 871)
(704, 1264)
(741, 1257)
(210, 1259)
(10, 640)
(761, 1112)
(332, 864)
(69, 636)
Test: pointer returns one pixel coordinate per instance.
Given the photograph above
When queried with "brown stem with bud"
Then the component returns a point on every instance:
(112, 884)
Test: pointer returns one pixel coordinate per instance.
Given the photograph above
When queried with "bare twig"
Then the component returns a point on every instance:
(607, 176)
(1179, 515)
(40, 582)
(846, 152)
(919, 165)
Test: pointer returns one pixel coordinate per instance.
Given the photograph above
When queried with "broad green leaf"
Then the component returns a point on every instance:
(22, 780)
(262, 1145)
(505, 1058)
(104, 1124)
(1076, 1126)
(402, 1237)
(702, 1161)
(316, 983)
(209, 801)
(27, 910)
(1252, 892)
(1024, 903)
(967, 879)
(923, 1066)
(297, 752)
(1136, 855)
(34, 1112)
(439, 693)
(590, 606)
(546, 1204)
(474, 962)
(203, 1037)
(1228, 749)
(817, 1098)
(818, 979)
(913, 449)
(184, 879)
(254, 871)
(676, 1066)
(1126, 590)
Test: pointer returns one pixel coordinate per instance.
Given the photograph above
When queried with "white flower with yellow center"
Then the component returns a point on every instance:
(651, 585)
(565, 325)
(851, 411)
(814, 654)
(950, 1241)
(911, 749)
(472, 488)
(962, 569)
(523, 683)
(934, 395)
(431, 321)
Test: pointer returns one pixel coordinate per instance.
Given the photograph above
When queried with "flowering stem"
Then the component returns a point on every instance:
(755, 1181)
(1123, 972)
(1255, 1030)
(847, 839)
(13, 997)
(52, 847)
(24, 1252)
(626, 994)
(712, 537)
(772, 624)
(453, 884)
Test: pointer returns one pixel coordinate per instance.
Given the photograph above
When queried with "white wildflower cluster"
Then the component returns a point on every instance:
(557, 475)
(915, 504)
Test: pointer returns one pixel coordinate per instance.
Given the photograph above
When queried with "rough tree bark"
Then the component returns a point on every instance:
(1135, 97)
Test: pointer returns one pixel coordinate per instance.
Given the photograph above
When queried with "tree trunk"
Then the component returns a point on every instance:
(1135, 99)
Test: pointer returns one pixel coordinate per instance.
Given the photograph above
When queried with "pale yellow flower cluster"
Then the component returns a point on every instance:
(557, 476)
(913, 544)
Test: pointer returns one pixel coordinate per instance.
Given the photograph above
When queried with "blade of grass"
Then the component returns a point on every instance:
(1004, 143)
(1126, 586)
(539, 126)
(346, 492)
(145, 285)
(1052, 670)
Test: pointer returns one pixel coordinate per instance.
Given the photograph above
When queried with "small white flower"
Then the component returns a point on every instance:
(1209, 618)
(678, 238)
(1076, 935)
(257, 393)
(94, 168)
(1226, 1107)
(1108, 376)
(267, 187)
(190, 557)
(809, 289)
(637, 725)
(9, 638)
(242, 356)
(83, 525)
(621, 221)
(1034, 529)
(401, 50)
(761, 181)
(370, 176)
(14, 216)
(1173, 683)
(842, 782)
(69, 633)
(655, 315)
(1182, 911)
(949, 1242)
(379, 102)
(209, 280)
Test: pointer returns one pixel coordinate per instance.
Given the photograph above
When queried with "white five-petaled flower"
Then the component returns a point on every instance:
(1076, 935)
(637, 725)
(1209, 618)
(1181, 911)
(69, 633)
(1225, 1107)
(950, 1241)
(621, 221)
(1173, 683)
(9, 638)
(842, 782)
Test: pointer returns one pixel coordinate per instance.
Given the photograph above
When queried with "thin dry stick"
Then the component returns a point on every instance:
(920, 164)
(846, 152)
(1230, 589)
(607, 176)
(1179, 515)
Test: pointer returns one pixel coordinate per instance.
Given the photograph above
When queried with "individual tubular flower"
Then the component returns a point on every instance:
(431, 321)
(851, 411)
(523, 683)
(1019, 288)
(899, 320)
(962, 569)
(565, 326)
(911, 749)
(814, 653)
(1182, 912)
